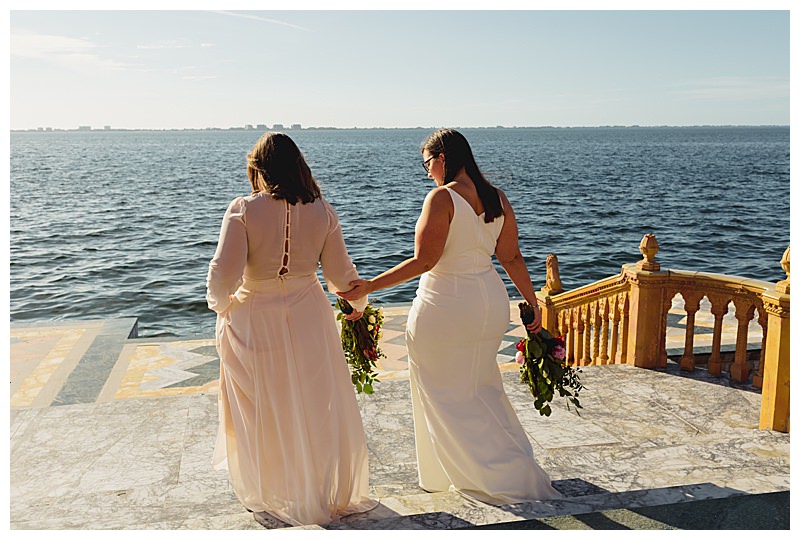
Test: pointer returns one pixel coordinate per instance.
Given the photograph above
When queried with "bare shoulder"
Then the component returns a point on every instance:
(504, 201)
(438, 197)
(502, 196)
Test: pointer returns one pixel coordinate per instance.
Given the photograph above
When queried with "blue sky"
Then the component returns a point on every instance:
(344, 68)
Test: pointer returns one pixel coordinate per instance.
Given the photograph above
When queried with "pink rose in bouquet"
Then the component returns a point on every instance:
(520, 358)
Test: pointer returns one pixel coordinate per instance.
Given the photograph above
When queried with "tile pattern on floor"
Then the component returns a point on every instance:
(71, 362)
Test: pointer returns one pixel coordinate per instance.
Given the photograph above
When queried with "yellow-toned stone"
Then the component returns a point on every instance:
(783, 285)
(646, 326)
(775, 388)
(37, 379)
(648, 247)
(549, 317)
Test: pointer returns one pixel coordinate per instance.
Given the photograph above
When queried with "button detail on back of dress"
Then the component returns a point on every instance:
(286, 237)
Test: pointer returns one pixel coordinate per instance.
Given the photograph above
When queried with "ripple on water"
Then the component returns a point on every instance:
(93, 240)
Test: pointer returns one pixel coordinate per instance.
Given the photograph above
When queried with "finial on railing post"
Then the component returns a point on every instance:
(649, 247)
(783, 285)
(552, 280)
(647, 308)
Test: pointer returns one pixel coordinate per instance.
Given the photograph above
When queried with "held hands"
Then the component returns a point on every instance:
(361, 288)
(354, 315)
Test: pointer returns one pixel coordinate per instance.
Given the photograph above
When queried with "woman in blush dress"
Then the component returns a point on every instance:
(468, 438)
(290, 432)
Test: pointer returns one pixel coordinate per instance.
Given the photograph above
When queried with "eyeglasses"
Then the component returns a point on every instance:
(425, 163)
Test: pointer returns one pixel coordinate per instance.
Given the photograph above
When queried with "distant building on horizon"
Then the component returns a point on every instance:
(84, 128)
(296, 126)
(262, 127)
(277, 126)
(106, 128)
(249, 127)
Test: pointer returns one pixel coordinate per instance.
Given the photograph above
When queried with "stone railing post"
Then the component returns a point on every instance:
(552, 286)
(549, 318)
(775, 386)
(646, 329)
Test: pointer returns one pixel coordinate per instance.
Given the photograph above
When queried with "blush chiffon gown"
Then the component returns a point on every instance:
(290, 431)
(468, 437)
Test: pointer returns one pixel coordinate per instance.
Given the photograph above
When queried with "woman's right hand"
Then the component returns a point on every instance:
(361, 288)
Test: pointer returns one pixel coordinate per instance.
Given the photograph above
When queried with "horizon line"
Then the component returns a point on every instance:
(277, 127)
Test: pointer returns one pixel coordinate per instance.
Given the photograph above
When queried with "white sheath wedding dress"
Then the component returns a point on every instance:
(468, 438)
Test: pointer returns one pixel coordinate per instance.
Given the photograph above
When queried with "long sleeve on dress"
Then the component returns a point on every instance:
(337, 267)
(227, 267)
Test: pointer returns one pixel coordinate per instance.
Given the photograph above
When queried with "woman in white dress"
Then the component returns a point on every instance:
(290, 432)
(468, 438)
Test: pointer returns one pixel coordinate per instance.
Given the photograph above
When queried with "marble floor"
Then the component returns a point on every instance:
(110, 431)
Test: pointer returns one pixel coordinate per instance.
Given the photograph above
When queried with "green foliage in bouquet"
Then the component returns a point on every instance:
(360, 344)
(543, 367)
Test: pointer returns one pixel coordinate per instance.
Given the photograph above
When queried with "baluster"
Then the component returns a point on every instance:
(758, 378)
(563, 330)
(560, 324)
(603, 358)
(586, 359)
(719, 307)
(691, 303)
(568, 319)
(614, 312)
(596, 324)
(744, 314)
(624, 305)
(577, 326)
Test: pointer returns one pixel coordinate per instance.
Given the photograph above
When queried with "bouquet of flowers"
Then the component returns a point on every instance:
(360, 344)
(542, 365)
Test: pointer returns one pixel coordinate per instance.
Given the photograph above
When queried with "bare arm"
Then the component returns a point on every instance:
(429, 241)
(510, 258)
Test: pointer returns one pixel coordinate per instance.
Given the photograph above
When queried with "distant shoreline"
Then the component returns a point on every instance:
(331, 128)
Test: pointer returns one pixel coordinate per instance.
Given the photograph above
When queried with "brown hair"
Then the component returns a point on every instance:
(457, 156)
(276, 166)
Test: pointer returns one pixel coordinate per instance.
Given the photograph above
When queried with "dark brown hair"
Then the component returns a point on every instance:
(457, 156)
(276, 166)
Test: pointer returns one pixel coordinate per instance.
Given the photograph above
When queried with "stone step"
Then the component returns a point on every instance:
(768, 511)
(449, 510)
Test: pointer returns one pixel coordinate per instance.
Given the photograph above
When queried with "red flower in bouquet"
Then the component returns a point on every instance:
(520, 357)
(543, 368)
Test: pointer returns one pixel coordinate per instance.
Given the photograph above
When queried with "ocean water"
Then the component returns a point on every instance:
(124, 223)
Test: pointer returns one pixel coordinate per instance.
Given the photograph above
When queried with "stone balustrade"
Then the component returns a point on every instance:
(622, 319)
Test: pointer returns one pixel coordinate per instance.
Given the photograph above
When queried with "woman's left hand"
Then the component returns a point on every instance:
(536, 325)
(354, 315)
(361, 288)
